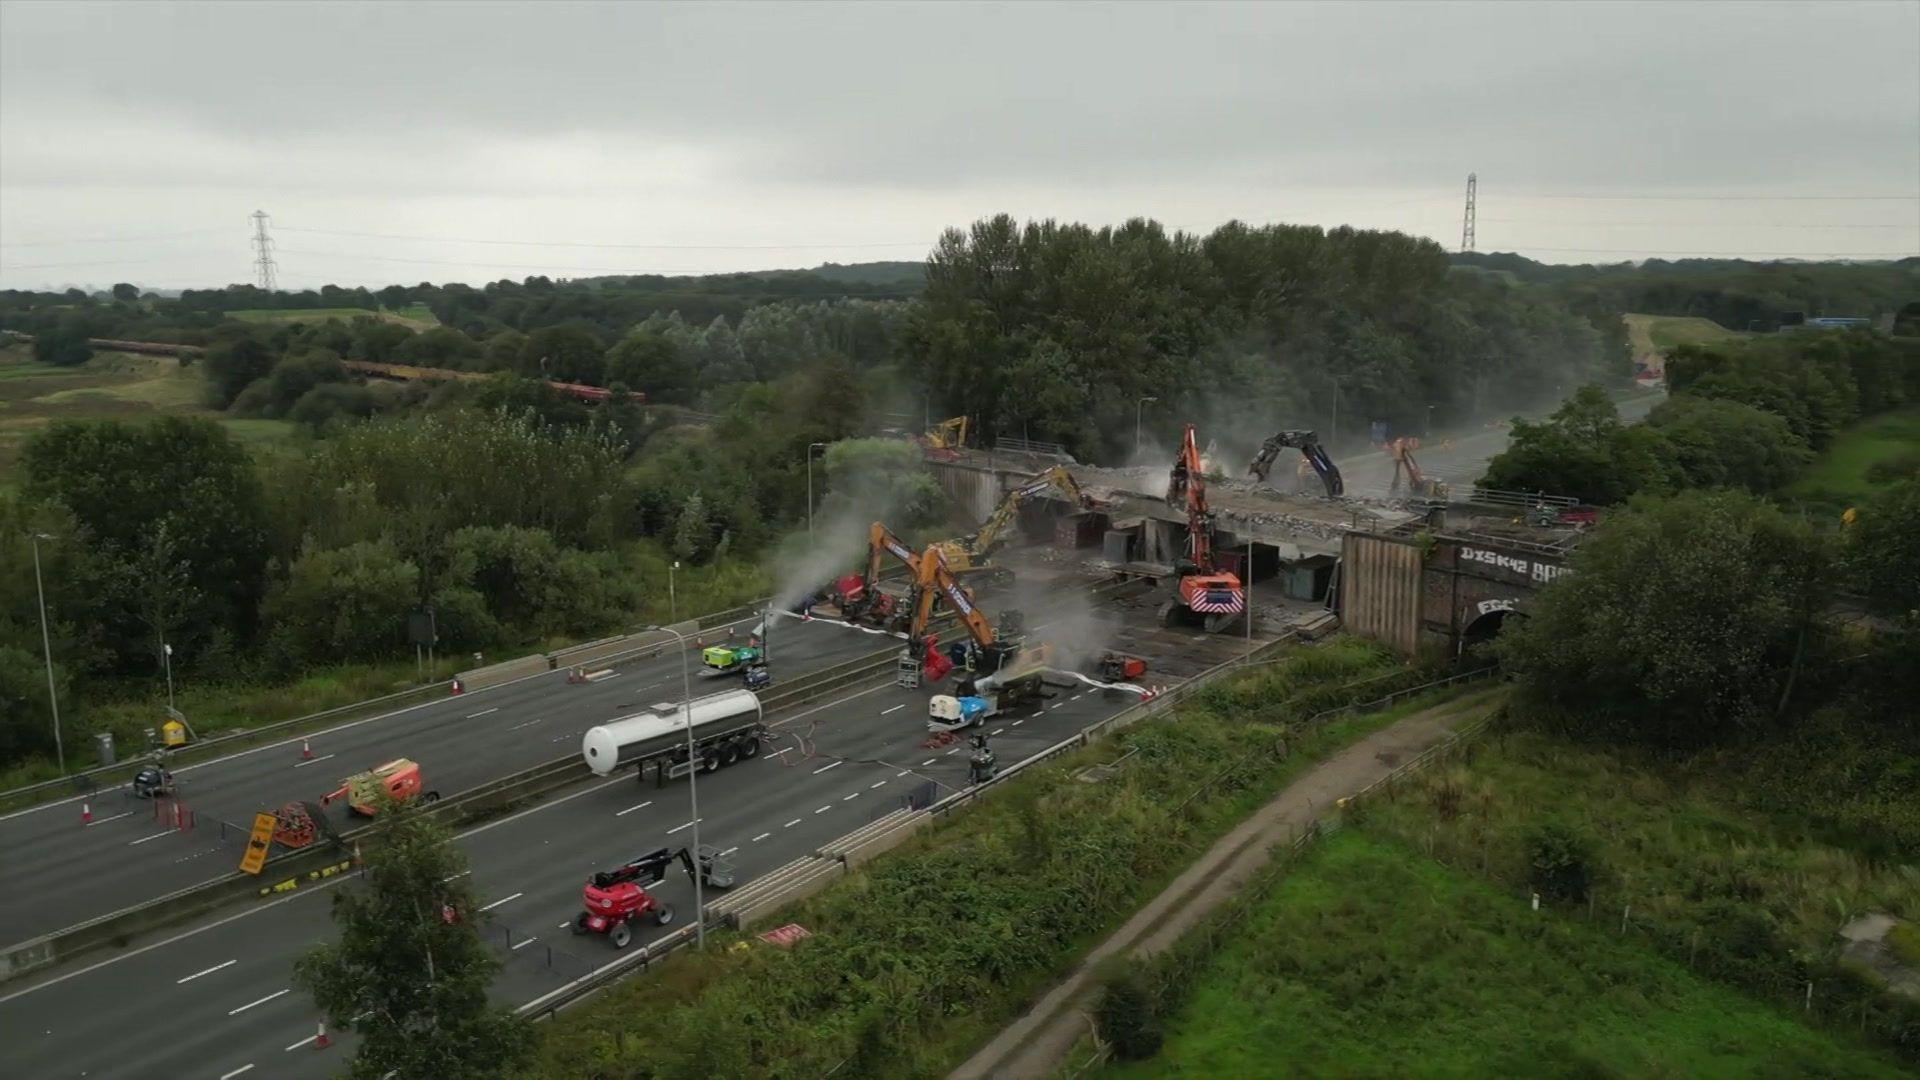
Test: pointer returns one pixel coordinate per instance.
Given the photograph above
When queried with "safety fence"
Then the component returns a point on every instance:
(86, 782)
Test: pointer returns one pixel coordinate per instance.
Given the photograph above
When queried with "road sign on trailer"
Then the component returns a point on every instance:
(259, 844)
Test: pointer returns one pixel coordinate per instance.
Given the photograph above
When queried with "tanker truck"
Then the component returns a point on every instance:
(727, 727)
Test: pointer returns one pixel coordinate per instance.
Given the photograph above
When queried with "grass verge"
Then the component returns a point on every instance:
(919, 956)
(1845, 475)
(1370, 959)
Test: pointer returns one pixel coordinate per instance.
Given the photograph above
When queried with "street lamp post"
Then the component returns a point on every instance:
(166, 651)
(1429, 432)
(1137, 408)
(673, 604)
(810, 447)
(693, 787)
(46, 648)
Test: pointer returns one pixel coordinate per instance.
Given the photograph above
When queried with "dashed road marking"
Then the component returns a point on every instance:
(502, 900)
(824, 809)
(895, 709)
(312, 761)
(1062, 705)
(879, 783)
(631, 809)
(481, 713)
(528, 723)
(155, 836)
(1078, 696)
(824, 768)
(1016, 723)
(729, 851)
(524, 944)
(304, 1042)
(564, 925)
(104, 820)
(759, 838)
(251, 1004)
(209, 971)
(685, 825)
(901, 773)
(248, 1067)
(455, 877)
(849, 795)
(996, 731)
(791, 824)
(929, 761)
(951, 752)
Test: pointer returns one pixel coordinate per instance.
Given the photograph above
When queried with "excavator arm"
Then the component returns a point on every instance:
(1309, 446)
(881, 541)
(934, 581)
(1187, 489)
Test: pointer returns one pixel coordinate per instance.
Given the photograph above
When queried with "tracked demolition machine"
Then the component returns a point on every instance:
(1311, 452)
(1204, 593)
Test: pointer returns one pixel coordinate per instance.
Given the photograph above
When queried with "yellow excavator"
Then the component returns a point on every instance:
(971, 553)
(949, 434)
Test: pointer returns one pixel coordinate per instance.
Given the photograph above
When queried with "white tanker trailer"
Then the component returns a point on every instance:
(726, 728)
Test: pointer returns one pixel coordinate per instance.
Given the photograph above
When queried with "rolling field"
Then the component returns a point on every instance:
(1658, 333)
(1372, 960)
(413, 316)
(117, 386)
(1840, 477)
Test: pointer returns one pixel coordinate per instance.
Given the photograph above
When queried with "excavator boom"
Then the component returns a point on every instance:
(1309, 446)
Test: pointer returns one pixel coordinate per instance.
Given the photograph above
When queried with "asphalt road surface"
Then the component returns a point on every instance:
(57, 871)
(217, 1000)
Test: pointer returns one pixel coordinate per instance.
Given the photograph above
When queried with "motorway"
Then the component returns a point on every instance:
(217, 1001)
(58, 872)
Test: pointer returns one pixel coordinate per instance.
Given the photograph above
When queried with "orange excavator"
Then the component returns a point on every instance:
(990, 650)
(1418, 483)
(1205, 593)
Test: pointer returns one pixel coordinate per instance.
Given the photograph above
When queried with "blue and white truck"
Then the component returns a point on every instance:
(983, 698)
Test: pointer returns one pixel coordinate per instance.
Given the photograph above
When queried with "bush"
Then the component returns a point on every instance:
(1902, 466)
(1127, 1019)
(1561, 863)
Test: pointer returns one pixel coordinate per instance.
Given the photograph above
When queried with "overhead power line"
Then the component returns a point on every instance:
(472, 263)
(1693, 224)
(609, 247)
(1726, 254)
(1725, 198)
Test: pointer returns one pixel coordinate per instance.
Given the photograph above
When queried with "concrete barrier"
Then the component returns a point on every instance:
(503, 672)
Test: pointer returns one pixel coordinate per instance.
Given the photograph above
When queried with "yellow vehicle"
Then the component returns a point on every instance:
(950, 434)
(972, 552)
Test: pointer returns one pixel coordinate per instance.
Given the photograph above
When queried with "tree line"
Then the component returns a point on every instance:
(1747, 414)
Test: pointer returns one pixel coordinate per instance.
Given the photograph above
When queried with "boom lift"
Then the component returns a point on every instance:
(1205, 593)
(615, 898)
(1310, 449)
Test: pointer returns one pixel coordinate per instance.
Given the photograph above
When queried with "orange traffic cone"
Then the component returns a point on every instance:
(306, 750)
(320, 1041)
(457, 688)
(86, 813)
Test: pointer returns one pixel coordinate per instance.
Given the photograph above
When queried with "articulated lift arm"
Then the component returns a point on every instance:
(1056, 479)
(1309, 446)
(935, 580)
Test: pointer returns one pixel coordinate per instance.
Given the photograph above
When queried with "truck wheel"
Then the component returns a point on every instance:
(749, 748)
(580, 923)
(430, 798)
(622, 936)
(729, 754)
(663, 914)
(710, 762)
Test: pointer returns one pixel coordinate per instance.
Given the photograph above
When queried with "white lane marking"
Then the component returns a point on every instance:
(929, 761)
(848, 795)
(687, 825)
(791, 824)
(879, 783)
(824, 809)
(482, 712)
(1017, 723)
(262, 1001)
(730, 851)
(502, 900)
(1078, 696)
(895, 709)
(455, 877)
(605, 677)
(524, 944)
(951, 752)
(1062, 705)
(781, 752)
(528, 724)
(761, 837)
(538, 807)
(311, 761)
(996, 731)
(304, 1041)
(248, 1067)
(631, 809)
(209, 971)
(901, 773)
(824, 768)
(155, 836)
(104, 820)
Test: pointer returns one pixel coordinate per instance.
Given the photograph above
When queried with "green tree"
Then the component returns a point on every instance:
(564, 353)
(125, 293)
(410, 962)
(879, 478)
(1715, 443)
(171, 499)
(1683, 619)
(651, 363)
(692, 532)
(1885, 547)
(1582, 451)
(64, 344)
(232, 366)
(26, 722)
(350, 603)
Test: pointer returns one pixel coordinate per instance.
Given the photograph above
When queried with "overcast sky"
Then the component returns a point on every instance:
(506, 139)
